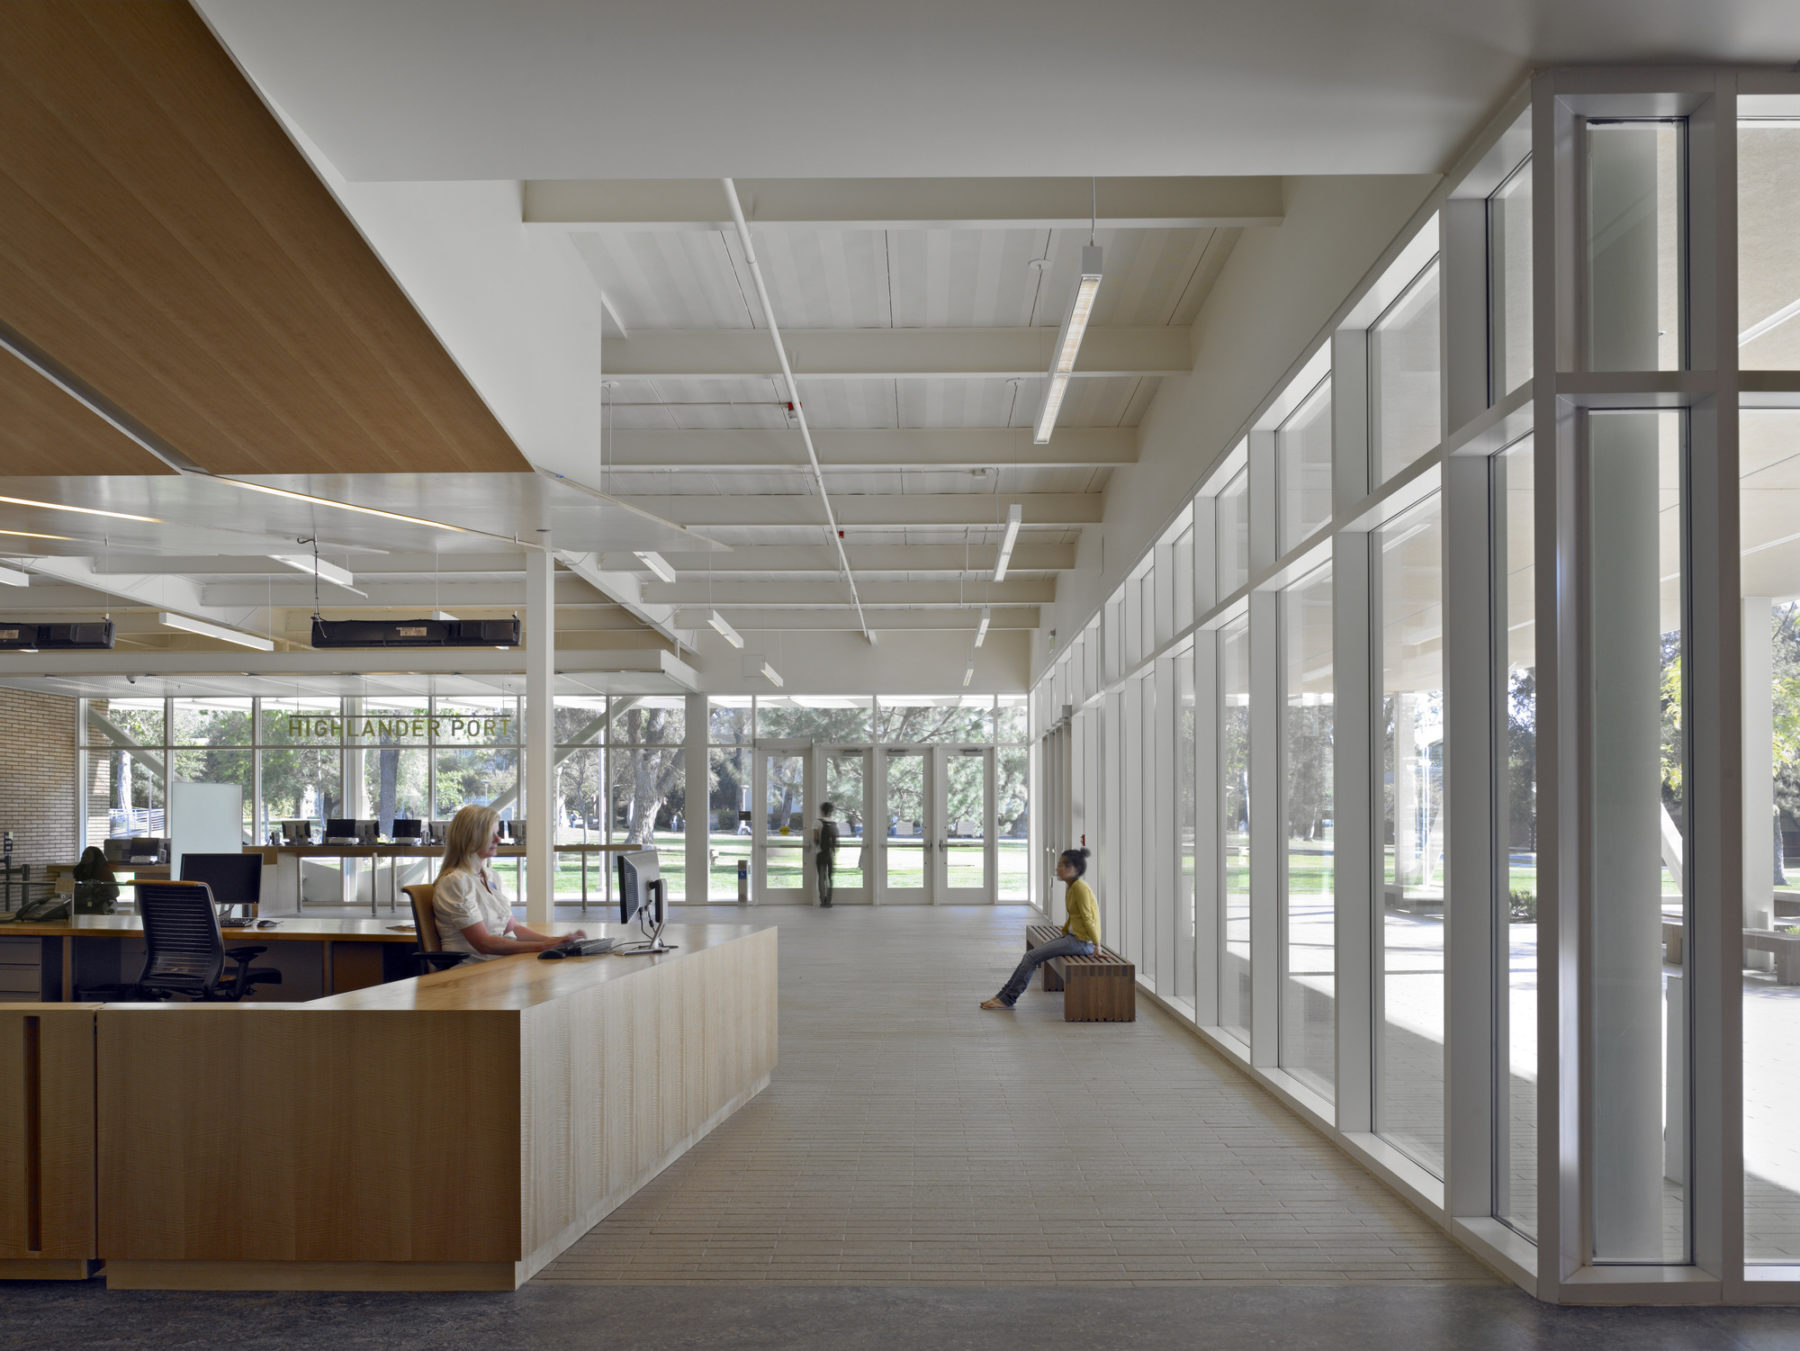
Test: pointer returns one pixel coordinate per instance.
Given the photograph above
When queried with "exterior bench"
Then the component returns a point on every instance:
(1097, 989)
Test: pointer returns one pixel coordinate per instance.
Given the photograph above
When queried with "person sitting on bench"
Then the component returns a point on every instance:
(1080, 935)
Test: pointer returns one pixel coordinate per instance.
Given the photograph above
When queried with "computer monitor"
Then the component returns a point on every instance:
(367, 832)
(438, 831)
(297, 832)
(641, 894)
(513, 832)
(235, 879)
(408, 829)
(338, 829)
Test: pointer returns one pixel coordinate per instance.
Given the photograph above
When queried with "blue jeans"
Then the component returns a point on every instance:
(1064, 945)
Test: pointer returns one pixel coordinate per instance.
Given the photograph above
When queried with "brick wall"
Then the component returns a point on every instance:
(38, 782)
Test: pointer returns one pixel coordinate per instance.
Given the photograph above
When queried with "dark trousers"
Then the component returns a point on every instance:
(826, 866)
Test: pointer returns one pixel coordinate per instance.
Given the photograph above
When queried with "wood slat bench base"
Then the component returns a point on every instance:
(1097, 989)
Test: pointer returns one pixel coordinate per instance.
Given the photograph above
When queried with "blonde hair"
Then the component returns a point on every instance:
(470, 831)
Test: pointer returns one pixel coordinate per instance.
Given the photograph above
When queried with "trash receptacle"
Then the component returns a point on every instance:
(743, 881)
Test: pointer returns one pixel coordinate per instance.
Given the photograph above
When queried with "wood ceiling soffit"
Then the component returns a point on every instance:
(162, 238)
(43, 432)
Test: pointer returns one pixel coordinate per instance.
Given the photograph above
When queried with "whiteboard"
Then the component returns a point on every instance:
(204, 818)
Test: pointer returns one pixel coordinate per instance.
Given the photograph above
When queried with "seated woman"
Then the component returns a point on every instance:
(474, 913)
(1080, 935)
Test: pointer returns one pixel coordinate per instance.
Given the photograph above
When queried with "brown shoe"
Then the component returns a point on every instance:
(995, 1003)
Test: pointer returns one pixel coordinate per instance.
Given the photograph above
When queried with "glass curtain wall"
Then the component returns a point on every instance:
(1308, 1019)
(1515, 701)
(1234, 829)
(1410, 946)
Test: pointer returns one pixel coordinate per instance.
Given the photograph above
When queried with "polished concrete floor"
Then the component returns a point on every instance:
(921, 1174)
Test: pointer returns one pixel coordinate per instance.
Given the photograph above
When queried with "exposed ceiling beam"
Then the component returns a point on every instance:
(892, 353)
(891, 510)
(158, 591)
(874, 448)
(762, 596)
(627, 589)
(447, 661)
(450, 565)
(949, 559)
(841, 619)
(904, 203)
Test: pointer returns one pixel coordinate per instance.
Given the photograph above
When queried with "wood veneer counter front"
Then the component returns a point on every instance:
(386, 1122)
(47, 1141)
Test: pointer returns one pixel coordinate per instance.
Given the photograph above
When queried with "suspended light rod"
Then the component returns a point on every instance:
(1068, 342)
(1015, 517)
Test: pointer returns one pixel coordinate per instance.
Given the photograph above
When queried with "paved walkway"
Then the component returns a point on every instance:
(909, 1137)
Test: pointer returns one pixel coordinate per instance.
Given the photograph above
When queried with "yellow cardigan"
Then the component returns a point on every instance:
(1084, 916)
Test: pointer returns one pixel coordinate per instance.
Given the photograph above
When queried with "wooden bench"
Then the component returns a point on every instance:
(1784, 947)
(1097, 989)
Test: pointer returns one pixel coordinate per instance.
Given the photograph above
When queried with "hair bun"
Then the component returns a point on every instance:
(1085, 853)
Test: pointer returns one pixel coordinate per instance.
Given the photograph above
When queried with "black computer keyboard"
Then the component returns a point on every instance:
(582, 947)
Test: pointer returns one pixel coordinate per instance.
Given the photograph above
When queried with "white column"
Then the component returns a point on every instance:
(698, 813)
(540, 738)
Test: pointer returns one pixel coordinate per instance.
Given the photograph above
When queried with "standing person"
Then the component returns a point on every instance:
(825, 836)
(1080, 935)
(474, 913)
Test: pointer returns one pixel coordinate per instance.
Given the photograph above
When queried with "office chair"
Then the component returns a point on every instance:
(430, 955)
(187, 953)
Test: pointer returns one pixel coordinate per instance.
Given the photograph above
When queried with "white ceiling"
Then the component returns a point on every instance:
(467, 89)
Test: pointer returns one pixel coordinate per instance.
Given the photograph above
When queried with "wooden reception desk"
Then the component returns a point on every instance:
(453, 1132)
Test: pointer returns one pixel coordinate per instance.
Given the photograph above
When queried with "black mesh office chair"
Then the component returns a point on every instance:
(187, 953)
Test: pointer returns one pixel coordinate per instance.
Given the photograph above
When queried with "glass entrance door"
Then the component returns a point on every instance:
(909, 826)
(965, 846)
(782, 820)
(843, 777)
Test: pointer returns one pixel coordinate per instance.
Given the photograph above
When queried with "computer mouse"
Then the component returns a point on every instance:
(552, 954)
(265, 923)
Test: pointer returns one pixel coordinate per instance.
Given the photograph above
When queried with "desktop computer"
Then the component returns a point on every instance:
(408, 831)
(340, 830)
(235, 880)
(297, 832)
(641, 893)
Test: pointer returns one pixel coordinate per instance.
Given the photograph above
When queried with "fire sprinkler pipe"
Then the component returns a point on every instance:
(787, 374)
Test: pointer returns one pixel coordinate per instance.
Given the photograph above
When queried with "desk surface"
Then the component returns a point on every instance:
(271, 852)
(511, 983)
(302, 928)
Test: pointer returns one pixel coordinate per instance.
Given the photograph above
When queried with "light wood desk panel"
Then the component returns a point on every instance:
(47, 1141)
(456, 1131)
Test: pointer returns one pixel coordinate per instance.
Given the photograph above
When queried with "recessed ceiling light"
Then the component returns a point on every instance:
(342, 506)
(85, 511)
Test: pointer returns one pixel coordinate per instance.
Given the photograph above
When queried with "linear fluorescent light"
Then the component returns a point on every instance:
(969, 673)
(724, 630)
(1068, 342)
(219, 631)
(32, 534)
(14, 577)
(982, 628)
(85, 511)
(291, 495)
(1015, 516)
(317, 567)
(773, 675)
(656, 563)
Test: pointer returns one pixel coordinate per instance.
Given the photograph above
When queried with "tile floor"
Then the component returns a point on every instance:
(909, 1137)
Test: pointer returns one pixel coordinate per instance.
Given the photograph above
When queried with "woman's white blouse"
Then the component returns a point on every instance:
(466, 897)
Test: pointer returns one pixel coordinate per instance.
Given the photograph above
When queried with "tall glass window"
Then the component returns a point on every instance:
(1410, 946)
(1770, 464)
(1303, 457)
(729, 823)
(1638, 810)
(1308, 1037)
(1405, 413)
(1636, 203)
(1509, 281)
(1768, 245)
(1234, 828)
(127, 769)
(1231, 533)
(1516, 908)
(1185, 822)
(647, 769)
